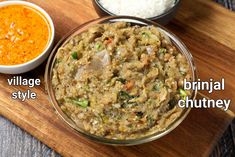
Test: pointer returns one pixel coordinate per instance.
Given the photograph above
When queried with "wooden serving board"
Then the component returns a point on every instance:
(208, 31)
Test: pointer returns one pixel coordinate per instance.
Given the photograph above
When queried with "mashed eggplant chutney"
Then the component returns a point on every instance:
(120, 81)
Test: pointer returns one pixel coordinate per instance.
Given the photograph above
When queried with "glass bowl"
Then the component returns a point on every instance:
(134, 21)
(163, 19)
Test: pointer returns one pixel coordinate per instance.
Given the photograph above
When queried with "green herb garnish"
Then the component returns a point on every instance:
(183, 94)
(122, 80)
(80, 102)
(125, 98)
(130, 125)
(97, 46)
(74, 55)
(86, 87)
(157, 87)
(123, 95)
(145, 34)
(57, 61)
(128, 104)
(150, 121)
(162, 51)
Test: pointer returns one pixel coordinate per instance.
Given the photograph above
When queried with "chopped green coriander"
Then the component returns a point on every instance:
(146, 34)
(80, 102)
(57, 61)
(74, 55)
(183, 94)
(97, 46)
(123, 95)
(127, 103)
(157, 87)
(122, 80)
(162, 51)
(150, 121)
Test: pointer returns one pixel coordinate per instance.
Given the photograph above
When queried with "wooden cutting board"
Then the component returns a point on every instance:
(208, 31)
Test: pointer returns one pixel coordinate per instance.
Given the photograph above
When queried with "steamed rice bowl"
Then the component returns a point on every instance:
(138, 8)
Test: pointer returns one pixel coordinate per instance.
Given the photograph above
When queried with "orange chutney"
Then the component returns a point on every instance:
(24, 34)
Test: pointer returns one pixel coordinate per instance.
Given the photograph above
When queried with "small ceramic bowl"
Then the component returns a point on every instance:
(25, 67)
(163, 19)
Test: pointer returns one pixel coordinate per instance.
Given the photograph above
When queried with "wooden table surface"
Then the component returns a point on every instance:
(214, 63)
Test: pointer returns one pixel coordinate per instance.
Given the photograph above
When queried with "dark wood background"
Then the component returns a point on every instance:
(14, 142)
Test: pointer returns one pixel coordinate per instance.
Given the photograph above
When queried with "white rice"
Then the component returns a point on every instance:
(138, 8)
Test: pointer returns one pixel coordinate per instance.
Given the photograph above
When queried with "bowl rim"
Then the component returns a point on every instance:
(50, 24)
(69, 122)
(168, 11)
